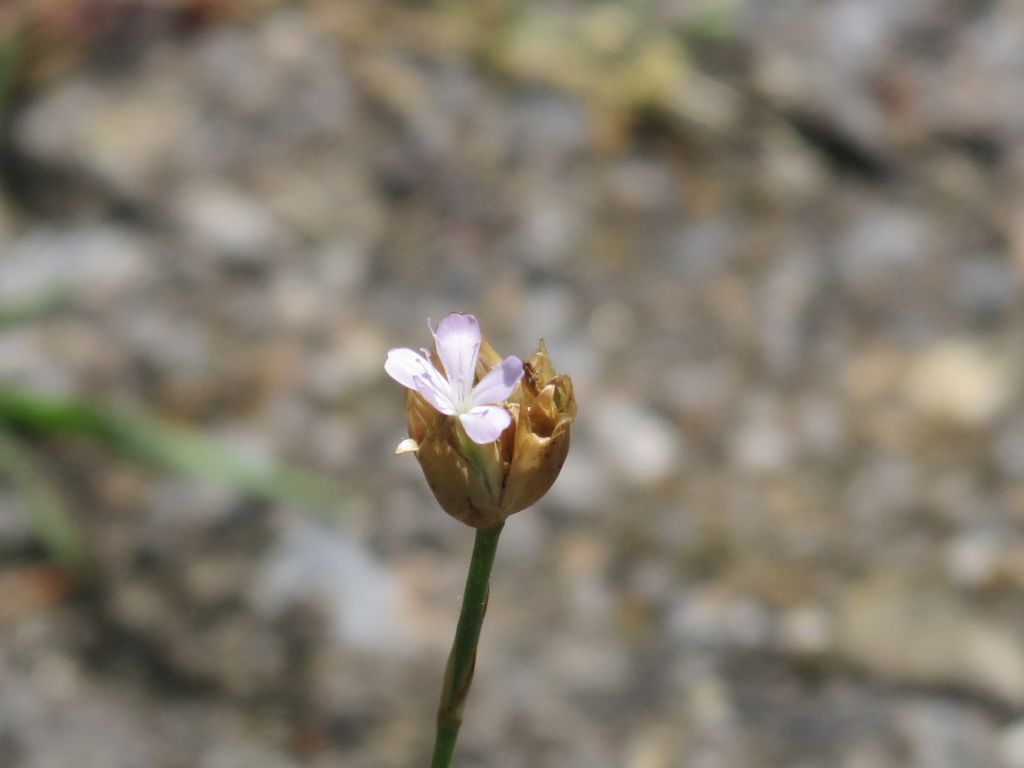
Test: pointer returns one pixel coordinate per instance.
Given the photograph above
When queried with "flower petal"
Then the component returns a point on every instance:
(457, 340)
(499, 382)
(404, 365)
(413, 370)
(485, 423)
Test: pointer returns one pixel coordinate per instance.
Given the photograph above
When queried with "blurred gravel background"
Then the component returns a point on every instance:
(778, 245)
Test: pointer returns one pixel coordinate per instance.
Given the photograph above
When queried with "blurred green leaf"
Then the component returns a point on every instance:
(12, 51)
(718, 21)
(169, 447)
(33, 309)
(47, 514)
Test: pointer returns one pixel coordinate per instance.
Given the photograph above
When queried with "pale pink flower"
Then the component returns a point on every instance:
(457, 340)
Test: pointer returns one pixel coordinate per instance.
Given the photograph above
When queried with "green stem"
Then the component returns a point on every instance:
(458, 675)
(47, 515)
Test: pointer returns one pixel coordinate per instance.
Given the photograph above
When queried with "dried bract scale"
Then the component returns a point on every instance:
(528, 419)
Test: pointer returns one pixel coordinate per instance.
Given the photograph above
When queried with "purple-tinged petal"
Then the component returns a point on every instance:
(404, 365)
(434, 390)
(413, 370)
(499, 382)
(485, 423)
(457, 340)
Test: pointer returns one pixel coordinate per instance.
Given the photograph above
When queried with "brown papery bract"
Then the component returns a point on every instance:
(482, 485)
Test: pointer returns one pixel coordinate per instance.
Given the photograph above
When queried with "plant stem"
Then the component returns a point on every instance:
(458, 675)
(48, 516)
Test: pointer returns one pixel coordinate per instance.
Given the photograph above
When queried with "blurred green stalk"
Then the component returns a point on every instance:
(12, 52)
(170, 447)
(33, 309)
(47, 515)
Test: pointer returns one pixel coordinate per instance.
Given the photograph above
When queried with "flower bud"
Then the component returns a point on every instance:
(482, 485)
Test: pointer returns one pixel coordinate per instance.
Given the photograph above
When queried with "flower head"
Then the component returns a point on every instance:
(480, 470)
(457, 340)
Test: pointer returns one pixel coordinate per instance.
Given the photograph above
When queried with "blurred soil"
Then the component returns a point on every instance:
(780, 248)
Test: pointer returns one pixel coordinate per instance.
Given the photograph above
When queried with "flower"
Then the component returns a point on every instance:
(482, 482)
(457, 340)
